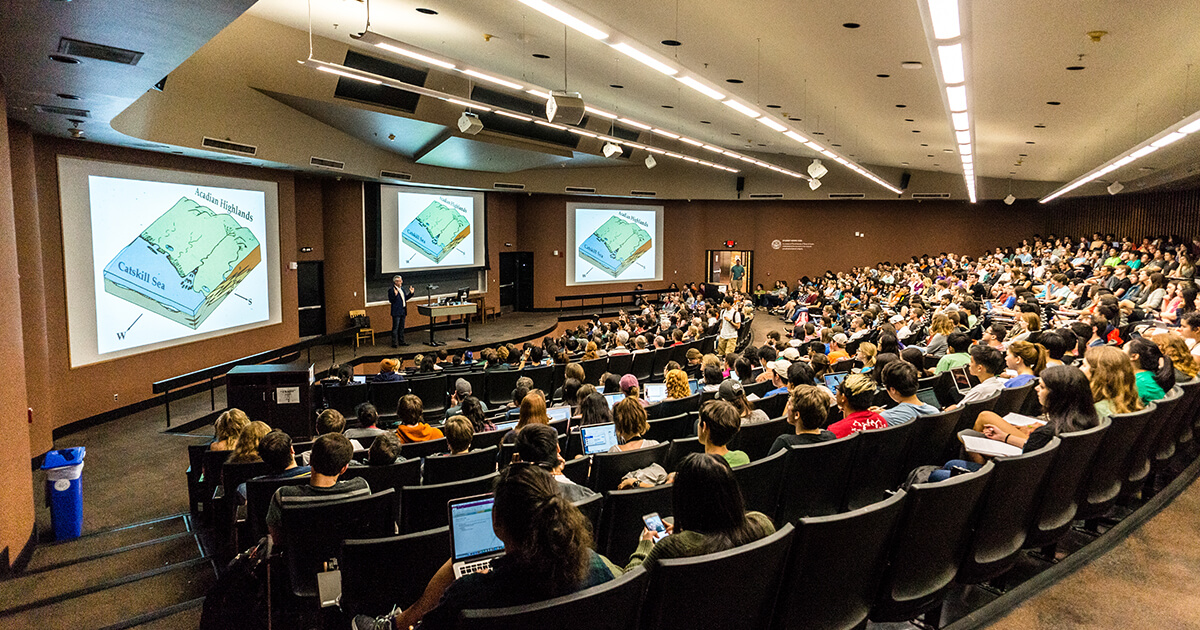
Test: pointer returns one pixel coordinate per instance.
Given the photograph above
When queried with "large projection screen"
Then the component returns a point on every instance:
(609, 243)
(423, 229)
(155, 258)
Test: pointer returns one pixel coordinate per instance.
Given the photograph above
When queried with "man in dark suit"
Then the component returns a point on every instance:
(398, 295)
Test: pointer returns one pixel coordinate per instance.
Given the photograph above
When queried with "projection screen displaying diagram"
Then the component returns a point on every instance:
(613, 243)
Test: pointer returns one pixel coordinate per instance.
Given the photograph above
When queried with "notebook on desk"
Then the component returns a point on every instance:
(473, 543)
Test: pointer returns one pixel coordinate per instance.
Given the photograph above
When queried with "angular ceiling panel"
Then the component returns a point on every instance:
(475, 155)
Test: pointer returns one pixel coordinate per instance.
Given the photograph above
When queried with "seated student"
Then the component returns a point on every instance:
(344, 376)
(712, 379)
(1153, 372)
(275, 448)
(384, 451)
(1113, 384)
(532, 411)
(410, 413)
(462, 391)
(994, 335)
(900, 379)
(855, 396)
(459, 433)
(1056, 342)
(329, 421)
(719, 422)
(779, 377)
(731, 392)
(388, 372)
(744, 370)
(866, 354)
(807, 409)
(959, 343)
(677, 384)
(1027, 360)
(837, 348)
(227, 428)
(766, 356)
(593, 409)
(629, 387)
(548, 553)
(514, 405)
(693, 366)
(247, 443)
(986, 363)
(630, 422)
(710, 514)
(368, 418)
(331, 456)
(472, 408)
(1175, 348)
(537, 444)
(1066, 397)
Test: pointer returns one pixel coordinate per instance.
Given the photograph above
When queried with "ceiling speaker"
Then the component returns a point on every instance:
(469, 123)
(1008, 201)
(1115, 188)
(651, 162)
(611, 149)
(564, 108)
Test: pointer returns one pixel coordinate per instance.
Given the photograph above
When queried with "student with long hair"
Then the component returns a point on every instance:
(677, 385)
(1175, 348)
(547, 553)
(1112, 381)
(594, 409)
(1027, 360)
(710, 514)
(227, 428)
(247, 443)
(1153, 372)
(531, 411)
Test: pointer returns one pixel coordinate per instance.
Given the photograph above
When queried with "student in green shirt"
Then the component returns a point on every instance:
(960, 344)
(719, 422)
(1152, 371)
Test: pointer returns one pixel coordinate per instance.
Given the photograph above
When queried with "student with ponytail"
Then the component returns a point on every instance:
(1027, 359)
(1153, 371)
(547, 553)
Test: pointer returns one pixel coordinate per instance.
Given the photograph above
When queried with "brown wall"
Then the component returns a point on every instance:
(16, 481)
(893, 231)
(1136, 216)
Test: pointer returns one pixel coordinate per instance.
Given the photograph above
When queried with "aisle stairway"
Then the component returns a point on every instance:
(148, 575)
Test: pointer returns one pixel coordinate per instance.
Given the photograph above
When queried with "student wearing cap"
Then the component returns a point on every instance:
(462, 391)
(779, 374)
(631, 389)
(731, 392)
(837, 348)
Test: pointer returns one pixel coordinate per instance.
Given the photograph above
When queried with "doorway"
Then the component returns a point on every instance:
(720, 263)
(516, 280)
(310, 289)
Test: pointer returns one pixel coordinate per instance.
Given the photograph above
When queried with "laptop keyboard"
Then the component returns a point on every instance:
(475, 567)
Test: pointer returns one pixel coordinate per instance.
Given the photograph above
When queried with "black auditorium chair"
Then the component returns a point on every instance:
(1012, 399)
(970, 412)
(313, 532)
(394, 476)
(613, 605)
(681, 448)
(672, 428)
(759, 481)
(1138, 466)
(448, 468)
(930, 437)
(661, 358)
(558, 376)
(543, 379)
(814, 478)
(620, 364)
(345, 398)
(772, 405)
(943, 387)
(500, 386)
(488, 438)
(878, 464)
(1164, 444)
(385, 395)
(1006, 512)
(931, 540)
(834, 568)
(756, 439)
(379, 573)
(621, 519)
(608, 468)
(195, 472)
(593, 369)
(592, 507)
(642, 364)
(577, 470)
(1100, 490)
(1060, 497)
(424, 507)
(432, 392)
(739, 587)
(210, 477)
(258, 499)
(415, 450)
(758, 389)
(676, 406)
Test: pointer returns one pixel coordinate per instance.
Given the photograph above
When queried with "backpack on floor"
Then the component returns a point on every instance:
(238, 601)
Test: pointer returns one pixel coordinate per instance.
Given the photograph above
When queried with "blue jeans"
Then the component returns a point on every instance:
(944, 473)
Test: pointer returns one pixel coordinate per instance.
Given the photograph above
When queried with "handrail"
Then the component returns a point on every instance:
(611, 294)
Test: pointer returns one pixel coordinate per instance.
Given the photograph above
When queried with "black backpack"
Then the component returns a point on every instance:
(238, 601)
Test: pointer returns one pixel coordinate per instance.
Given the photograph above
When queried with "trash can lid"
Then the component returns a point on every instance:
(64, 457)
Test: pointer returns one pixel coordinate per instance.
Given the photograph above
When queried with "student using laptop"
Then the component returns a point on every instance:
(537, 444)
(548, 553)
(599, 438)
(986, 363)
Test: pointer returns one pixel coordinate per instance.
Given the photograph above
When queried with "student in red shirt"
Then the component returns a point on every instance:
(855, 396)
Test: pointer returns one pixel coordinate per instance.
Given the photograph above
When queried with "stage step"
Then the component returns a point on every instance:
(58, 554)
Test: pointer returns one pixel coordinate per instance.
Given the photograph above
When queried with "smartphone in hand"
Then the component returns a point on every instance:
(655, 524)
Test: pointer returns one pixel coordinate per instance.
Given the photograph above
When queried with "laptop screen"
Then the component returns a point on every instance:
(929, 397)
(613, 399)
(360, 378)
(833, 381)
(559, 413)
(506, 426)
(471, 527)
(694, 386)
(598, 438)
(962, 378)
(656, 392)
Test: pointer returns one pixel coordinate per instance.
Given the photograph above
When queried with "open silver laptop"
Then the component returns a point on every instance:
(656, 392)
(598, 438)
(473, 543)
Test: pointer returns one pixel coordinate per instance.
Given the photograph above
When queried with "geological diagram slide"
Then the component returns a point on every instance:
(185, 264)
(435, 230)
(617, 247)
(175, 260)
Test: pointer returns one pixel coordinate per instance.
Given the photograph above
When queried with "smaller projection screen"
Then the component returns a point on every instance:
(428, 228)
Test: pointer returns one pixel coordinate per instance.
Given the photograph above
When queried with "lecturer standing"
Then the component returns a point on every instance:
(399, 295)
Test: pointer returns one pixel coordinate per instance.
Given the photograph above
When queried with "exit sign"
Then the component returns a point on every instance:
(730, 244)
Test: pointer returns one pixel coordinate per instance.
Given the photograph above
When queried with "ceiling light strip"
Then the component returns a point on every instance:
(945, 24)
(1167, 136)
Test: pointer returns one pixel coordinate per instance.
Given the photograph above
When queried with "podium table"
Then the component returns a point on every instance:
(435, 311)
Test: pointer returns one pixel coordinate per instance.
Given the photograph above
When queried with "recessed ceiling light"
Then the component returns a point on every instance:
(916, 131)
(1012, 172)
(762, 144)
(904, 164)
(795, 119)
(924, 145)
(908, 120)
(835, 145)
(818, 133)
(1053, 103)
(617, 86)
(883, 76)
(705, 122)
(946, 150)
(426, 11)
(774, 106)
(69, 97)
(734, 81)
(1039, 126)
(540, 56)
(852, 25)
(1022, 155)
(671, 42)
(935, 164)
(734, 133)
(668, 107)
(63, 59)
(930, 155)
(911, 65)
(1075, 67)
(901, 106)
(1030, 142)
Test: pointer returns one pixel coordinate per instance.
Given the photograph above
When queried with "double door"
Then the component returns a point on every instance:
(720, 263)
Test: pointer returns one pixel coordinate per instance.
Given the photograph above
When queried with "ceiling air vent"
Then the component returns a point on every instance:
(847, 195)
(931, 195)
(225, 145)
(77, 48)
(580, 189)
(64, 111)
(404, 177)
(766, 195)
(506, 186)
(643, 193)
(326, 163)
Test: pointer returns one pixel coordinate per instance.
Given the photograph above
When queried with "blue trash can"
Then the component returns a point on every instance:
(64, 491)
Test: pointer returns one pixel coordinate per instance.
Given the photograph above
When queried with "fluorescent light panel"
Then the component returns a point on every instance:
(700, 87)
(961, 121)
(491, 79)
(773, 124)
(566, 18)
(742, 107)
(635, 123)
(957, 96)
(416, 55)
(348, 75)
(951, 57)
(944, 15)
(592, 110)
(644, 58)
